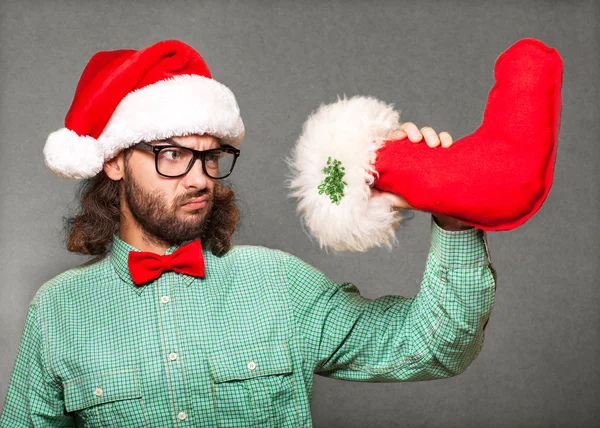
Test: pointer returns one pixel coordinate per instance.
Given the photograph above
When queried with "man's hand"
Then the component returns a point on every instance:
(416, 136)
(433, 140)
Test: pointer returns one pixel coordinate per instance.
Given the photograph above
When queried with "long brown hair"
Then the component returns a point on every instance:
(91, 230)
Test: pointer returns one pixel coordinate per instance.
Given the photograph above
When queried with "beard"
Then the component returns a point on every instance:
(159, 220)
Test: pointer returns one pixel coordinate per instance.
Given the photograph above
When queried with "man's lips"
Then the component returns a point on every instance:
(196, 203)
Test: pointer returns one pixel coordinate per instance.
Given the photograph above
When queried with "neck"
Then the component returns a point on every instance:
(132, 233)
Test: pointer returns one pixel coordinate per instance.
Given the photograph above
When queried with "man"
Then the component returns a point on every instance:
(172, 324)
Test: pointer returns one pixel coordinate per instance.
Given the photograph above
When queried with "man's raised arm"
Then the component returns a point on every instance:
(435, 334)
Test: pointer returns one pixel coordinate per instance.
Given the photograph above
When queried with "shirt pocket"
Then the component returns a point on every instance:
(253, 387)
(107, 399)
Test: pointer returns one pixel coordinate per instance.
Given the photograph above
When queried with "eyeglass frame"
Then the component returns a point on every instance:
(156, 149)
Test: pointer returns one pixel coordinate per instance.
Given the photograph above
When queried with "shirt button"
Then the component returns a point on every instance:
(98, 392)
(172, 356)
(182, 415)
(164, 299)
(251, 365)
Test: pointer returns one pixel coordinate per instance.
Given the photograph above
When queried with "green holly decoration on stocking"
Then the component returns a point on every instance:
(333, 185)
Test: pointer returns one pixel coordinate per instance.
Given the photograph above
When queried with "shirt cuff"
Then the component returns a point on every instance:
(459, 247)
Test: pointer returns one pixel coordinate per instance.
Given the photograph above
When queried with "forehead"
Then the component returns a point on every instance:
(195, 141)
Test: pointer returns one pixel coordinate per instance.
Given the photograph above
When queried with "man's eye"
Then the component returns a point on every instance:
(171, 154)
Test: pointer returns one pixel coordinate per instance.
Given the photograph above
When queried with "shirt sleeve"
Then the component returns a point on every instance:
(435, 334)
(34, 397)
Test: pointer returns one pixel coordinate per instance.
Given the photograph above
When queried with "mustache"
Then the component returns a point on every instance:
(199, 194)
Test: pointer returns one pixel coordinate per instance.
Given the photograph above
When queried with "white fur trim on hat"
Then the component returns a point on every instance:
(351, 131)
(73, 156)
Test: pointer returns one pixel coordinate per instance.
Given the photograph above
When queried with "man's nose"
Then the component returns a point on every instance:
(196, 176)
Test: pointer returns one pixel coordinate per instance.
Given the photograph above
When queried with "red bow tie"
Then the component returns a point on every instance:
(145, 266)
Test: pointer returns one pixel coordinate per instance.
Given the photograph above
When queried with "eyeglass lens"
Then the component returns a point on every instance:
(175, 160)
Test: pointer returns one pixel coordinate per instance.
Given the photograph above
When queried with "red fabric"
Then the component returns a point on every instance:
(145, 266)
(110, 75)
(497, 177)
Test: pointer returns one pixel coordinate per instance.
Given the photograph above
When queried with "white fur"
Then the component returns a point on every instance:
(351, 131)
(72, 156)
(181, 105)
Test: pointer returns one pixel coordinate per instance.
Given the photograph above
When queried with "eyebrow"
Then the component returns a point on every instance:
(169, 141)
(175, 143)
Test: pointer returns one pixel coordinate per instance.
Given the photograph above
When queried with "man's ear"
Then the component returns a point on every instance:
(115, 167)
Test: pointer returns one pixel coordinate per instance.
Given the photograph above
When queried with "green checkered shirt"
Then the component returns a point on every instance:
(240, 347)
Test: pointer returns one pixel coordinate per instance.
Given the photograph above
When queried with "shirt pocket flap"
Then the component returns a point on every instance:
(250, 363)
(101, 388)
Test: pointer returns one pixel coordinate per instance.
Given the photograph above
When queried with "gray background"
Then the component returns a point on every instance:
(434, 60)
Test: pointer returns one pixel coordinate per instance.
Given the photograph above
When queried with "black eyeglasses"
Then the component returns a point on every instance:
(175, 161)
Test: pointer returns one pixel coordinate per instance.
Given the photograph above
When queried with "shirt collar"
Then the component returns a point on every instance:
(119, 254)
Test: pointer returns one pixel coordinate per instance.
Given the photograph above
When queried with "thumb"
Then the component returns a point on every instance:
(397, 201)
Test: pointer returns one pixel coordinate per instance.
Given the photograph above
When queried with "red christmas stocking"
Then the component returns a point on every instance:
(494, 179)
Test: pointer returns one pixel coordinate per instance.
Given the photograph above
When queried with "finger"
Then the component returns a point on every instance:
(430, 136)
(412, 131)
(446, 139)
(398, 134)
(396, 201)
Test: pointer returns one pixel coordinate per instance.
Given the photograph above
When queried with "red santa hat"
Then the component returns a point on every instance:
(127, 96)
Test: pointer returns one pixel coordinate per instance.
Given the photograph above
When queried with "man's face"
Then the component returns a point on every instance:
(158, 203)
